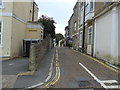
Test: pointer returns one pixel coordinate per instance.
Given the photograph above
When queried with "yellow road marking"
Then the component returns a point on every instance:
(57, 76)
(102, 63)
(95, 59)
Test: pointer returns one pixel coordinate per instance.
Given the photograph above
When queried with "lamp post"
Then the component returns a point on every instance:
(83, 36)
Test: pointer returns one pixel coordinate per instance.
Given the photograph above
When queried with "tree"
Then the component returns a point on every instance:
(58, 37)
(49, 27)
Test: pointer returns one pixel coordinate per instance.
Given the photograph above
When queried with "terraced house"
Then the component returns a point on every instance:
(98, 30)
(74, 25)
(18, 23)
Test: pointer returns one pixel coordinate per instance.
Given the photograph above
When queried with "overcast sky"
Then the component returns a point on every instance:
(60, 10)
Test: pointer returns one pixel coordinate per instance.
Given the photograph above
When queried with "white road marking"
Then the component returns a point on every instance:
(36, 85)
(49, 74)
(109, 81)
(11, 64)
(102, 83)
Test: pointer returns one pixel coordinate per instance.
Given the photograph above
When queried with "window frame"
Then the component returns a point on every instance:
(90, 31)
(91, 6)
(81, 39)
(1, 33)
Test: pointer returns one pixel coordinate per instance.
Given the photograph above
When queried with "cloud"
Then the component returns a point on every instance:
(57, 1)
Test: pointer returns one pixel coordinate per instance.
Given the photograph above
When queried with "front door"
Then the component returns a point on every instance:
(89, 41)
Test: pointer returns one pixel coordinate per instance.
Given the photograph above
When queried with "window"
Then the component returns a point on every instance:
(91, 6)
(90, 36)
(81, 36)
(87, 8)
(75, 25)
(81, 18)
(1, 3)
(108, 2)
(0, 33)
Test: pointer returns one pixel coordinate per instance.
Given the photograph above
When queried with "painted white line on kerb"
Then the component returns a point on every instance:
(109, 81)
(49, 74)
(99, 81)
(37, 85)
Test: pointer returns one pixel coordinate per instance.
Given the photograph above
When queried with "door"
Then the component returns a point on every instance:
(28, 48)
(89, 41)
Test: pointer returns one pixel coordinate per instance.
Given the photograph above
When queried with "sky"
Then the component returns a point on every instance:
(60, 10)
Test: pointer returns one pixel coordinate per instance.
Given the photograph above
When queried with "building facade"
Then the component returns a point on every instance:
(106, 33)
(98, 30)
(74, 26)
(14, 17)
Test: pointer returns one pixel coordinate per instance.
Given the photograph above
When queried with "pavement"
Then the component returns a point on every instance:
(11, 69)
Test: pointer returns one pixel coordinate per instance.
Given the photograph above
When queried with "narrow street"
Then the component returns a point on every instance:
(80, 71)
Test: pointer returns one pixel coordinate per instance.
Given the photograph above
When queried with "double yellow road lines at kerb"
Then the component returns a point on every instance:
(95, 59)
(57, 76)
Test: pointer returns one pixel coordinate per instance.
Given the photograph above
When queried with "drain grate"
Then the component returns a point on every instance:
(84, 84)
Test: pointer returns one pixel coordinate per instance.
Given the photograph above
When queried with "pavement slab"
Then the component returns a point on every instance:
(39, 76)
(15, 66)
(8, 81)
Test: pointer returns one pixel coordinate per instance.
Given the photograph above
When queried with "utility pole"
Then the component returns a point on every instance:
(83, 38)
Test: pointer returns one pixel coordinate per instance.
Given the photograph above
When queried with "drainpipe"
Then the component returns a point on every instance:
(33, 11)
(83, 40)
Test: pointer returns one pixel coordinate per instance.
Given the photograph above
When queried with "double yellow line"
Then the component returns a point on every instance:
(57, 76)
(113, 69)
(95, 59)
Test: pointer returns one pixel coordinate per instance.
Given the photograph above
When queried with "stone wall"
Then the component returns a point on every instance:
(38, 51)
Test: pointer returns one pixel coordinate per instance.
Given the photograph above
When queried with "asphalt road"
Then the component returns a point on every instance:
(79, 71)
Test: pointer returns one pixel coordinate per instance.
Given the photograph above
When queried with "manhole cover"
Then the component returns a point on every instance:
(84, 84)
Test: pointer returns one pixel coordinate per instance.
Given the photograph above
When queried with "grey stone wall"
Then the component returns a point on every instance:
(37, 52)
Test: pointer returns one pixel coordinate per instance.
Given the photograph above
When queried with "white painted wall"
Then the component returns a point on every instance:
(106, 35)
(114, 40)
(103, 35)
(119, 32)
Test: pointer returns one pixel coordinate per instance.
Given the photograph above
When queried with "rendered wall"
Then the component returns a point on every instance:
(24, 11)
(5, 9)
(6, 37)
(106, 36)
(103, 35)
(34, 33)
(18, 34)
(119, 34)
